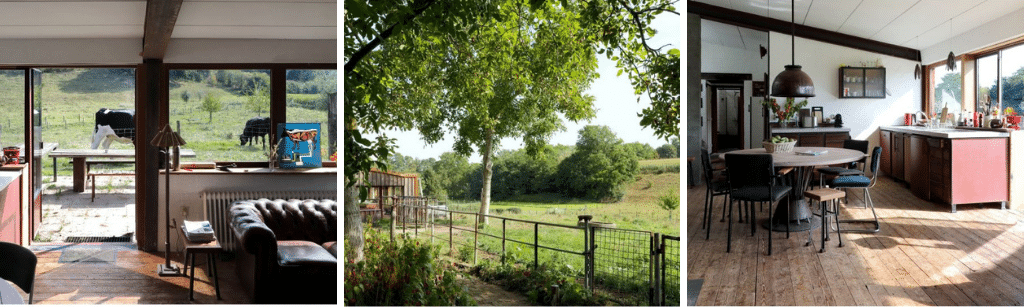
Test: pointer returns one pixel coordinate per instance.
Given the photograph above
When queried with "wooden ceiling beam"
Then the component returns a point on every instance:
(160, 18)
(757, 22)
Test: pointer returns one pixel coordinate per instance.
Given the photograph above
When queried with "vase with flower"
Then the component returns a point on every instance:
(784, 111)
(1011, 118)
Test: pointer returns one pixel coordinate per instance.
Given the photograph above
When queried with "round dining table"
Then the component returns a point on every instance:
(800, 217)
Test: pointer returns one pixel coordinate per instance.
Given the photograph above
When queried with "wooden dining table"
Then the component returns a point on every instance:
(800, 217)
(79, 156)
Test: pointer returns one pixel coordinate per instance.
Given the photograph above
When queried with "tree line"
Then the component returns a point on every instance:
(597, 168)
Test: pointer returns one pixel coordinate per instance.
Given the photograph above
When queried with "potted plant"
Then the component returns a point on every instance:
(779, 144)
(785, 111)
(1012, 119)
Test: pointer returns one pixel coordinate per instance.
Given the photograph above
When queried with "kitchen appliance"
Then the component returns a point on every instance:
(809, 121)
(839, 121)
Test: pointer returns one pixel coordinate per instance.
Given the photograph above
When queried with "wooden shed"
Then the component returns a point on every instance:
(387, 184)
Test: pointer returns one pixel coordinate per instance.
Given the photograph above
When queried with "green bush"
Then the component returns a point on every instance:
(546, 285)
(406, 273)
(599, 169)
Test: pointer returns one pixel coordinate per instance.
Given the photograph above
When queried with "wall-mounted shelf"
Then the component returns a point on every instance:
(861, 82)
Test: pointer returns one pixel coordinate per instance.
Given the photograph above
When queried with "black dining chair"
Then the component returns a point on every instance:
(863, 182)
(18, 265)
(848, 169)
(715, 187)
(752, 178)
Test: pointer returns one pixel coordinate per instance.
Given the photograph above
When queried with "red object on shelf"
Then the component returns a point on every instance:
(12, 153)
(1013, 122)
(908, 119)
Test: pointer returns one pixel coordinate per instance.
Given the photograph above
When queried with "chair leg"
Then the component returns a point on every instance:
(742, 207)
(786, 218)
(824, 227)
(723, 210)
(835, 204)
(707, 234)
(808, 243)
(869, 204)
(707, 202)
(728, 240)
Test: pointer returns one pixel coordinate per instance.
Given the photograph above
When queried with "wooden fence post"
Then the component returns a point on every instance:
(451, 221)
(503, 240)
(536, 246)
(476, 233)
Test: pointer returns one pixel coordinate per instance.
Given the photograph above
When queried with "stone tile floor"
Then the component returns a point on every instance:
(69, 214)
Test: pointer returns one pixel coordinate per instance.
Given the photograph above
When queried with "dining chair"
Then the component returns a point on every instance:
(715, 187)
(865, 183)
(18, 265)
(849, 168)
(752, 178)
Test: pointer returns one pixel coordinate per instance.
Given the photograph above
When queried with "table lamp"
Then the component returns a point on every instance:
(167, 138)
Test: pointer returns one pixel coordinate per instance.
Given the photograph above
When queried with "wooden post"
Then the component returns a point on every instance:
(476, 233)
(451, 221)
(430, 218)
(393, 203)
(503, 240)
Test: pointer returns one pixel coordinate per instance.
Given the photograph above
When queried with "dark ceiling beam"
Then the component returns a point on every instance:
(757, 22)
(160, 18)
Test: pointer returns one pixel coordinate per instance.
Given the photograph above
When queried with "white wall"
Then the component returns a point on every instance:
(126, 51)
(863, 116)
(992, 32)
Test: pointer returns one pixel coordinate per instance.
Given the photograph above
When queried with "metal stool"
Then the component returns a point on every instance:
(831, 196)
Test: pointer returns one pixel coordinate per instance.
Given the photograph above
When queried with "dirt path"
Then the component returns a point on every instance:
(487, 294)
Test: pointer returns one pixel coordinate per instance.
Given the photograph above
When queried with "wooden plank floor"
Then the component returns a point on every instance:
(924, 255)
(131, 279)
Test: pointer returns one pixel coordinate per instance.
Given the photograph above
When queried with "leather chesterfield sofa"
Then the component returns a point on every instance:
(287, 250)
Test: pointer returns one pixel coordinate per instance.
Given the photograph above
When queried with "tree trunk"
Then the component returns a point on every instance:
(353, 225)
(485, 192)
(211, 118)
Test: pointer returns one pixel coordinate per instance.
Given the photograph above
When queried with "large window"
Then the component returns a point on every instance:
(987, 69)
(224, 114)
(946, 88)
(12, 102)
(1011, 75)
(228, 115)
(312, 98)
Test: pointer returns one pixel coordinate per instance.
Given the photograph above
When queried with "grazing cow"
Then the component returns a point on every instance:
(120, 122)
(255, 127)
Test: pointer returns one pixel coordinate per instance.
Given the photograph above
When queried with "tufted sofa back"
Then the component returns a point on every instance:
(294, 219)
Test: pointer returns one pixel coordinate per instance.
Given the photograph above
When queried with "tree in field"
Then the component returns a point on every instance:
(185, 95)
(600, 167)
(513, 80)
(378, 34)
(667, 151)
(447, 177)
(258, 100)
(211, 104)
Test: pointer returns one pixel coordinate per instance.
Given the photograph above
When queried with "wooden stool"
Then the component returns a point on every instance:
(211, 249)
(823, 195)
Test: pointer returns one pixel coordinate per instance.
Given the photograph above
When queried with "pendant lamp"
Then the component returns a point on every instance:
(951, 59)
(793, 82)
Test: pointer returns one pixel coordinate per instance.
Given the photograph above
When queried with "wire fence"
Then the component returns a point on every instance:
(633, 267)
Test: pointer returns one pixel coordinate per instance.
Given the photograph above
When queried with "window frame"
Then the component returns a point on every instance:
(278, 89)
(928, 83)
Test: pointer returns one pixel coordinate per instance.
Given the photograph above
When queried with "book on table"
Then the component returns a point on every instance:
(198, 231)
(812, 152)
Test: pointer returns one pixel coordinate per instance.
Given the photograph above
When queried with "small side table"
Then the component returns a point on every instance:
(211, 249)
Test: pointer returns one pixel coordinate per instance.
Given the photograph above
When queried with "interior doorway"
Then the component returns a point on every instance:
(727, 117)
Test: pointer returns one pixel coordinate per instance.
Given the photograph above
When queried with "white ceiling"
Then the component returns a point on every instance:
(229, 19)
(914, 24)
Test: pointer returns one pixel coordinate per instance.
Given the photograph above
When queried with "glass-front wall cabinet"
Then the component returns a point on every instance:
(861, 82)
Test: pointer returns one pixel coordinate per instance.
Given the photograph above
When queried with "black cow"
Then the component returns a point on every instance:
(256, 127)
(122, 121)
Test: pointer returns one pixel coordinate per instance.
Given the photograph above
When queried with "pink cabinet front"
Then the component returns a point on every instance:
(980, 170)
(10, 213)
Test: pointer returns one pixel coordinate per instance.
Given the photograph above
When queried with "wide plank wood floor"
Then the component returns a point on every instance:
(132, 279)
(924, 255)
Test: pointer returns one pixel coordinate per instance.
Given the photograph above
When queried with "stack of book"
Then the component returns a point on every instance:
(198, 231)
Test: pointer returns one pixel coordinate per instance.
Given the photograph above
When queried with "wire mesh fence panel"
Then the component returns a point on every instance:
(622, 264)
(670, 271)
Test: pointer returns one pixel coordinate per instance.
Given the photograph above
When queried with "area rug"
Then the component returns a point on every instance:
(87, 255)
(692, 290)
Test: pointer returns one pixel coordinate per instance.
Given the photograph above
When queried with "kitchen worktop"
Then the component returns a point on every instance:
(809, 130)
(948, 133)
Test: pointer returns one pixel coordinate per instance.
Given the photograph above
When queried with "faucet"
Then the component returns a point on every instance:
(923, 118)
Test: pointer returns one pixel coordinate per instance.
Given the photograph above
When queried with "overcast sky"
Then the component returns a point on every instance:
(615, 103)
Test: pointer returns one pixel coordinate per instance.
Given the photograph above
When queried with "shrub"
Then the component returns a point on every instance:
(401, 274)
(668, 151)
(546, 285)
(514, 210)
(600, 167)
